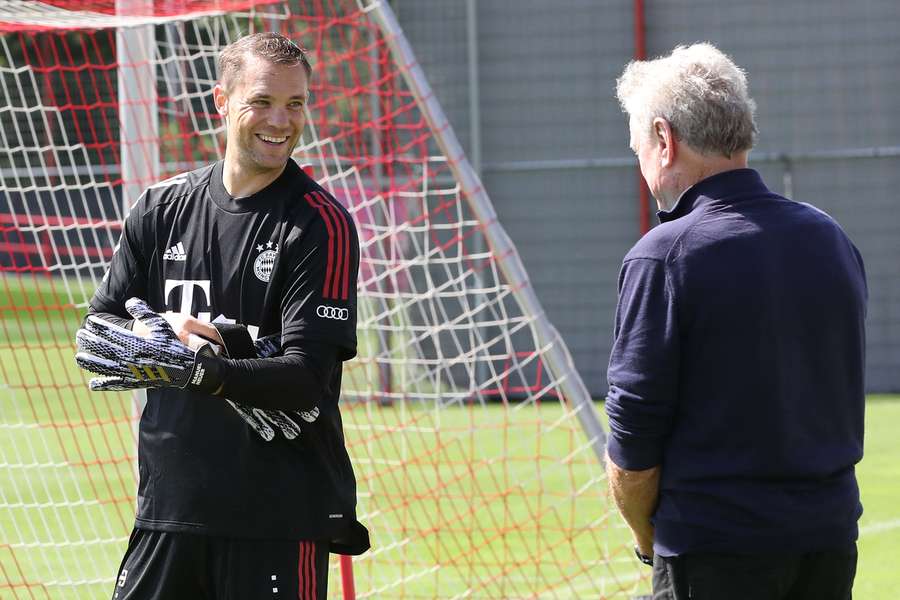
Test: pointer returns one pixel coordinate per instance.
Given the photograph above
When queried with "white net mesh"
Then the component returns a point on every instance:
(475, 475)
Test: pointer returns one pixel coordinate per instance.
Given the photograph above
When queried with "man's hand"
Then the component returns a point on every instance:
(127, 360)
(636, 493)
(186, 327)
(644, 543)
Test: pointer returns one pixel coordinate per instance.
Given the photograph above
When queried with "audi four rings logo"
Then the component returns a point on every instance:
(331, 312)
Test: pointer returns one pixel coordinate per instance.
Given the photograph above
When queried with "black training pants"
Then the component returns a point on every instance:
(776, 576)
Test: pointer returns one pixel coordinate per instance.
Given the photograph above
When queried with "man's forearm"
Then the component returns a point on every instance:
(636, 493)
(292, 382)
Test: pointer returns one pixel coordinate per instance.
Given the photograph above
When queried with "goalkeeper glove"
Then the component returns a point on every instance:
(128, 361)
(265, 421)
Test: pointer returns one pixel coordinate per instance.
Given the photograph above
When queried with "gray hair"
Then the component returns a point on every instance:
(271, 47)
(699, 91)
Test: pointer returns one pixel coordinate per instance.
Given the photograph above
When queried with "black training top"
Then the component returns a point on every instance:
(738, 367)
(284, 260)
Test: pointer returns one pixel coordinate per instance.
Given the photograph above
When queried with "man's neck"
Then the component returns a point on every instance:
(240, 183)
(717, 165)
(696, 167)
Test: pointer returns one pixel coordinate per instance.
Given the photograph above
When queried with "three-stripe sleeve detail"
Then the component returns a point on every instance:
(337, 270)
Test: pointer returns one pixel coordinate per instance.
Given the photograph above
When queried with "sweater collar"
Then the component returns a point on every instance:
(728, 184)
(262, 200)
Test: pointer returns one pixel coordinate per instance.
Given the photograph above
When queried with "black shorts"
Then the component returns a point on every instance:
(174, 566)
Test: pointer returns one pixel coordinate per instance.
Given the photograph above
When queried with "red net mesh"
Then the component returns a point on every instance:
(475, 477)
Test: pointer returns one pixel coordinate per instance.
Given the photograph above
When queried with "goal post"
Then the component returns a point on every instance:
(477, 448)
(509, 263)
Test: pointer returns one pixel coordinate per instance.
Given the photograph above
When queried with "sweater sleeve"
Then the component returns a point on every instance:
(295, 381)
(643, 366)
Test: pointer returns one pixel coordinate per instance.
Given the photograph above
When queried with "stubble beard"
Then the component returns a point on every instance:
(253, 161)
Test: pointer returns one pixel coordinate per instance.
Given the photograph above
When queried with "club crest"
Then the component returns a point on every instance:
(265, 262)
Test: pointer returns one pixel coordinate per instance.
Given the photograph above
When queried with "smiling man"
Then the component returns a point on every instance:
(232, 297)
(263, 102)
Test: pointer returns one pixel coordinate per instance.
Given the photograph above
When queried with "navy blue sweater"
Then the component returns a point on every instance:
(738, 368)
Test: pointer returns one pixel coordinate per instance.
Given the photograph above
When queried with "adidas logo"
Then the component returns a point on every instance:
(176, 252)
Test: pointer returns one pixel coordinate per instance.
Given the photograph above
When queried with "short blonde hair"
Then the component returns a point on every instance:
(699, 91)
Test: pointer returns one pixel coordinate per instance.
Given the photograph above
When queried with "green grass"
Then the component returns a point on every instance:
(879, 475)
(431, 485)
(446, 513)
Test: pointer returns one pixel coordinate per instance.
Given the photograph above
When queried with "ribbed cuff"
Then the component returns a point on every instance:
(637, 457)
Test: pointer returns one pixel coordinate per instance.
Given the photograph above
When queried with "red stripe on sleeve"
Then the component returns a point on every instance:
(315, 203)
(342, 276)
(345, 288)
(343, 258)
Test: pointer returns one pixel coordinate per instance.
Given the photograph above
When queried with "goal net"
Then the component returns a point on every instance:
(475, 444)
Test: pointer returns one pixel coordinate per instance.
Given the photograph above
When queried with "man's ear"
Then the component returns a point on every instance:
(665, 139)
(220, 98)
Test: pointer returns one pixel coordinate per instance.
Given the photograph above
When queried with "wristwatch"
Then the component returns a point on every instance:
(647, 560)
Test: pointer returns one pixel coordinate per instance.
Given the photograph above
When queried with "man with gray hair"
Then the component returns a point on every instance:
(736, 391)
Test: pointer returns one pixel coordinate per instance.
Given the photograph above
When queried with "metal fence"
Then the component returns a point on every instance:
(529, 87)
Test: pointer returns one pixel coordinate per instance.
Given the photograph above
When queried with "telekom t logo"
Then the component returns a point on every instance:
(189, 288)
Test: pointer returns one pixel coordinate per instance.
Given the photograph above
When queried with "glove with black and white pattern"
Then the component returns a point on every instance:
(127, 361)
(265, 421)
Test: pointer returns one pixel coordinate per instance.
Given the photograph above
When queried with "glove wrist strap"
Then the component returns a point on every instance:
(207, 374)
